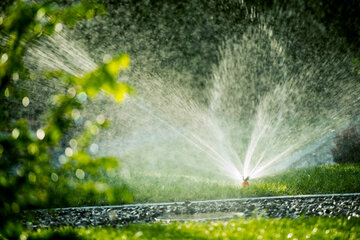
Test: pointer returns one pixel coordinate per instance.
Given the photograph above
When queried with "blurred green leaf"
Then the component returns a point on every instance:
(37, 168)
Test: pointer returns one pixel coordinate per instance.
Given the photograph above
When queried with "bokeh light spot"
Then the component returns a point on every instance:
(72, 92)
(107, 58)
(4, 58)
(75, 114)
(40, 14)
(94, 148)
(40, 134)
(73, 143)
(100, 119)
(82, 97)
(58, 27)
(94, 129)
(15, 133)
(80, 174)
(15, 76)
(54, 177)
(69, 152)
(63, 159)
(25, 101)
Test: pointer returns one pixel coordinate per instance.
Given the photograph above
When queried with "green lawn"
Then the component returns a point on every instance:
(303, 228)
(312, 180)
(146, 187)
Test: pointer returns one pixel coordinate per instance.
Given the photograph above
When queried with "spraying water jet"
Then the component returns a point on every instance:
(256, 93)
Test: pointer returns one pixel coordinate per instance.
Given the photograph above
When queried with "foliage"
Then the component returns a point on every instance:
(64, 234)
(347, 146)
(31, 160)
(303, 228)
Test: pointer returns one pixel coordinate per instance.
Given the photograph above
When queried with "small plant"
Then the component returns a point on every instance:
(347, 146)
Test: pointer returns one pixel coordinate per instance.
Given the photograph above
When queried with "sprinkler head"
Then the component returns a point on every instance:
(245, 182)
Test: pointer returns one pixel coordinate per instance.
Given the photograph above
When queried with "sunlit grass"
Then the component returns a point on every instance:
(151, 187)
(321, 179)
(303, 228)
(312, 180)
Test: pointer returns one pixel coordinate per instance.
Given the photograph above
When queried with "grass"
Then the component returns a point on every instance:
(336, 178)
(313, 180)
(303, 228)
(146, 187)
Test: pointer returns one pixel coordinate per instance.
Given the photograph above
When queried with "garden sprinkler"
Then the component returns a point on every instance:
(245, 182)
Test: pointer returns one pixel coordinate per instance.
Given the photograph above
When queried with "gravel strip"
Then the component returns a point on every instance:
(274, 207)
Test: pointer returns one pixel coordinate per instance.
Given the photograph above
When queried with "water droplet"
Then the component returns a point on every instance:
(80, 174)
(113, 215)
(138, 234)
(54, 177)
(58, 27)
(63, 159)
(72, 92)
(15, 133)
(26, 101)
(40, 134)
(40, 14)
(87, 123)
(100, 119)
(69, 152)
(15, 76)
(20, 171)
(4, 58)
(107, 58)
(82, 97)
(23, 236)
(94, 129)
(94, 148)
(73, 143)
(75, 114)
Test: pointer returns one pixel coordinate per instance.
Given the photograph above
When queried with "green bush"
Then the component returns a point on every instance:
(28, 175)
(347, 146)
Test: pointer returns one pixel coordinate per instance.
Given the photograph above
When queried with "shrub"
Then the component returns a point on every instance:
(26, 153)
(347, 146)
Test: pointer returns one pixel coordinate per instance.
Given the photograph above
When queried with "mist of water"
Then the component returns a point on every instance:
(259, 107)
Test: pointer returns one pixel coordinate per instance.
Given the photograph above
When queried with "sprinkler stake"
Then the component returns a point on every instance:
(245, 182)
